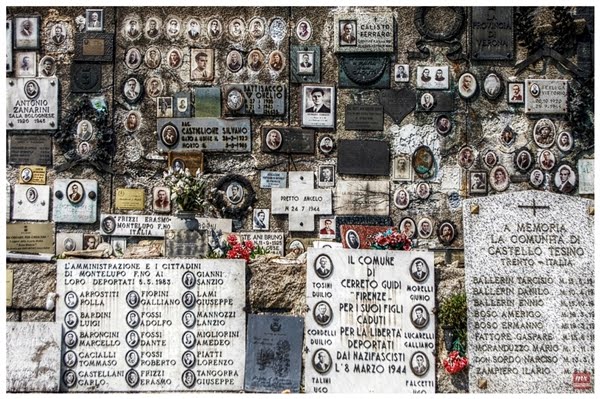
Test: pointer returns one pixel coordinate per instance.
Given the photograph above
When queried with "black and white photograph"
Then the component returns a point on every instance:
(237, 27)
(132, 121)
(132, 378)
(164, 107)
(152, 59)
(71, 319)
(322, 313)
(321, 361)
(133, 299)
(188, 378)
(188, 319)
(70, 339)
(132, 319)
(132, 358)
(323, 266)
(26, 175)
(169, 135)
(70, 359)
(256, 60)
(256, 28)
(401, 73)
(188, 359)
(69, 378)
(402, 168)
(425, 227)
(565, 179)
(536, 178)
(193, 29)
(188, 299)
(58, 34)
(215, 29)
(26, 64)
(273, 139)
(85, 130)
(47, 67)
(188, 339)
(154, 87)
(477, 182)
(175, 58)
(234, 100)
(352, 239)
(71, 299)
(515, 92)
(318, 104)
(202, 67)
(546, 160)
(432, 77)
(401, 198)
(133, 58)
(347, 29)
(26, 32)
(31, 194)
(427, 101)
(188, 279)
(327, 227)
(152, 28)
(90, 241)
(565, 141)
(326, 176)
(326, 144)
(260, 219)
(32, 89)
(234, 193)
(490, 158)
(423, 190)
(132, 90)
(234, 61)
(507, 136)
(94, 20)
(161, 199)
(443, 124)
(419, 364)
(132, 338)
(108, 225)
(173, 27)
(523, 160)
(69, 244)
(499, 179)
(467, 85)
(306, 62)
(303, 30)
(466, 157)
(544, 133)
(408, 227)
(75, 192)
(492, 86)
(446, 233)
(132, 28)
(419, 316)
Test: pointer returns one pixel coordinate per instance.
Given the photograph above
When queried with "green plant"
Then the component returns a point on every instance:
(187, 190)
(453, 314)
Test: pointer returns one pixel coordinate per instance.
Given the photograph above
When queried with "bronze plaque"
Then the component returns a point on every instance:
(32, 175)
(190, 160)
(364, 117)
(288, 140)
(93, 47)
(364, 157)
(130, 199)
(30, 237)
(492, 33)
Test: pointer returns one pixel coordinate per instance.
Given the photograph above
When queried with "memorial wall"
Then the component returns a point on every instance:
(300, 199)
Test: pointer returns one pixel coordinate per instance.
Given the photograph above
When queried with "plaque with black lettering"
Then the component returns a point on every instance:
(305, 64)
(273, 353)
(288, 140)
(30, 150)
(364, 117)
(492, 33)
(441, 101)
(362, 220)
(363, 157)
(397, 103)
(254, 99)
(364, 70)
(94, 47)
(86, 78)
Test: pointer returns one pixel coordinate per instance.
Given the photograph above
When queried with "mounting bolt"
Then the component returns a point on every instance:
(11, 82)
(52, 83)
(52, 124)
(10, 124)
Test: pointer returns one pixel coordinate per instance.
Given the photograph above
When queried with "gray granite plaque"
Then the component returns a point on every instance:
(397, 103)
(271, 241)
(134, 225)
(31, 202)
(364, 70)
(363, 33)
(362, 197)
(360, 220)
(585, 167)
(30, 150)
(204, 134)
(363, 157)
(271, 179)
(273, 353)
(152, 324)
(364, 117)
(301, 203)
(289, 140)
(529, 273)
(186, 243)
(546, 96)
(75, 201)
(257, 99)
(362, 335)
(223, 225)
(32, 104)
(443, 101)
(492, 33)
(32, 357)
(305, 64)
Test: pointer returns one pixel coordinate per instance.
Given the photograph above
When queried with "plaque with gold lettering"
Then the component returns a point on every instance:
(32, 174)
(30, 237)
(130, 199)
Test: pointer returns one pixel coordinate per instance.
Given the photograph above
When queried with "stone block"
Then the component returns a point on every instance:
(31, 284)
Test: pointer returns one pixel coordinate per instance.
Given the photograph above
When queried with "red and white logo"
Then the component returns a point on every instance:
(582, 380)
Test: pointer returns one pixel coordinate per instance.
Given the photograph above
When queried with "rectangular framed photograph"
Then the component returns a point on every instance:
(306, 62)
(477, 182)
(402, 168)
(94, 20)
(119, 245)
(327, 227)
(260, 219)
(202, 64)
(26, 29)
(515, 92)
(433, 77)
(326, 175)
(26, 66)
(347, 31)
(9, 45)
(401, 73)
(164, 107)
(318, 106)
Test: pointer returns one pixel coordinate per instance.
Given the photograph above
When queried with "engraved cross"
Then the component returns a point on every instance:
(534, 207)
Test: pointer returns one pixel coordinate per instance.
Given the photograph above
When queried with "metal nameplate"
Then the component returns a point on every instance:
(259, 100)
(290, 140)
(271, 179)
(130, 199)
(30, 149)
(363, 157)
(364, 70)
(546, 96)
(364, 117)
(30, 237)
(492, 33)
(86, 78)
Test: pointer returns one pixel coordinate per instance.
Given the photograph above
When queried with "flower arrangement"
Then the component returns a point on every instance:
(232, 248)
(187, 190)
(391, 239)
(455, 362)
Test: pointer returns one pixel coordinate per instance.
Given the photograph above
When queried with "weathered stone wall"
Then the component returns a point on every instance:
(137, 163)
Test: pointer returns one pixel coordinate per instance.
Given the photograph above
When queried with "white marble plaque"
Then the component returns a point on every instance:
(75, 201)
(585, 167)
(272, 242)
(134, 225)
(31, 202)
(224, 225)
(66, 242)
(271, 179)
(369, 326)
(32, 104)
(204, 134)
(529, 276)
(32, 357)
(362, 198)
(301, 203)
(136, 325)
(546, 96)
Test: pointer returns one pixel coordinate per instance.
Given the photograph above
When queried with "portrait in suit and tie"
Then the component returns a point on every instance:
(318, 104)
(322, 313)
(94, 20)
(419, 270)
(202, 60)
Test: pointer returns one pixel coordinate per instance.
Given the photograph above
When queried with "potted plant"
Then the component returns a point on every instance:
(453, 318)
(188, 192)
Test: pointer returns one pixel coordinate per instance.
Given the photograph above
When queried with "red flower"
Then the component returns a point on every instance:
(455, 363)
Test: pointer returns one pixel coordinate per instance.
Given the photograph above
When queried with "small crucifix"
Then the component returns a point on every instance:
(534, 207)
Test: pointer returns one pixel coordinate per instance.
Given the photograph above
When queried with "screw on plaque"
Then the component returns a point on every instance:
(52, 124)
(10, 82)
(10, 124)
(52, 83)
(92, 195)
(58, 194)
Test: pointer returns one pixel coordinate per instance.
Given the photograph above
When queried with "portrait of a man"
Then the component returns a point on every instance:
(164, 107)
(188, 280)
(419, 364)
(235, 193)
(260, 219)
(132, 319)
(193, 29)
(303, 30)
(47, 66)
(492, 86)
(321, 361)
(401, 198)
(132, 377)
(26, 64)
(169, 135)
(322, 313)
(132, 28)
(536, 177)
(75, 192)
(327, 229)
(326, 144)
(214, 28)
(427, 101)
(175, 58)
(162, 202)
(401, 73)
(132, 89)
(173, 27)
(323, 266)
(347, 33)
(94, 20)
(152, 28)
(255, 60)
(152, 58)
(317, 96)
(188, 378)
(547, 160)
(326, 175)
(234, 61)
(419, 316)
(466, 157)
(236, 28)
(188, 319)
(425, 228)
(133, 299)
(109, 225)
(306, 62)
(446, 233)
(565, 179)
(26, 34)
(58, 34)
(90, 242)
(276, 61)
(188, 359)
(132, 338)
(443, 124)
(71, 299)
(565, 141)
(467, 85)
(154, 87)
(70, 359)
(352, 239)
(515, 94)
(69, 378)
(257, 29)
(478, 182)
(202, 68)
(273, 139)
(70, 339)
(132, 121)
(71, 319)
(132, 358)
